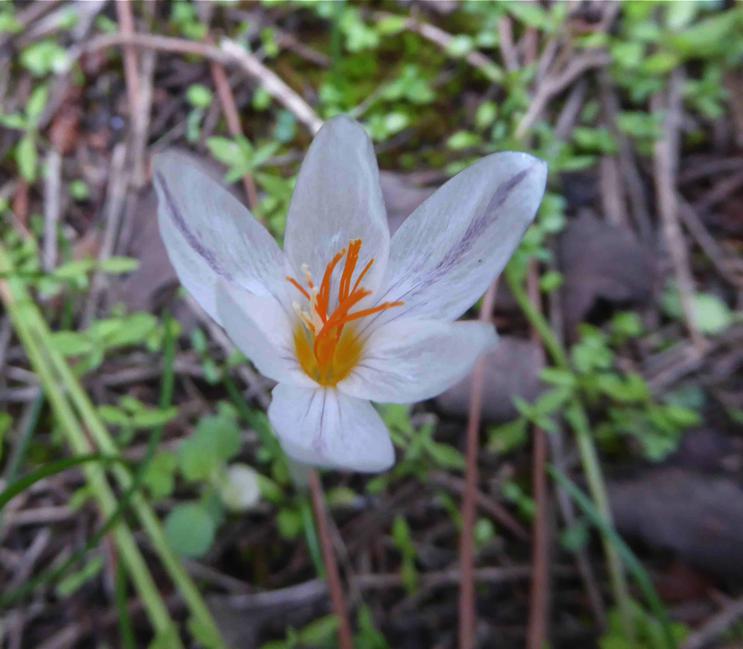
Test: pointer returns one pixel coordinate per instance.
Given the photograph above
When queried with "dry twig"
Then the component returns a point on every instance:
(345, 635)
(467, 613)
(665, 160)
(229, 108)
(229, 53)
(540, 583)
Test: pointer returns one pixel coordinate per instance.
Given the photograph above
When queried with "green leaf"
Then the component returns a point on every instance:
(558, 377)
(460, 45)
(14, 120)
(159, 476)
(190, 529)
(390, 25)
(124, 331)
(27, 157)
(72, 582)
(215, 441)
(153, 417)
(44, 57)
(463, 140)
(71, 343)
(119, 265)
(224, 150)
(113, 416)
(507, 437)
(9, 24)
(712, 36)
(340, 497)
(319, 632)
(447, 457)
(529, 13)
(79, 190)
(289, 523)
(199, 96)
(712, 315)
(37, 103)
(74, 270)
(551, 281)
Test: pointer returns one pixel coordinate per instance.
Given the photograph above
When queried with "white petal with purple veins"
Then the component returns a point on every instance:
(338, 198)
(445, 254)
(409, 360)
(211, 236)
(327, 428)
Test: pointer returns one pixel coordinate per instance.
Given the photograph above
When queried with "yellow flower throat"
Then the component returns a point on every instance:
(326, 343)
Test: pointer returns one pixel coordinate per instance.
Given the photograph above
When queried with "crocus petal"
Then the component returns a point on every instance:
(338, 198)
(407, 360)
(445, 254)
(210, 236)
(326, 428)
(261, 329)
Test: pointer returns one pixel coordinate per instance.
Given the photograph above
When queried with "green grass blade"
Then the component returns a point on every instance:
(632, 563)
(53, 468)
(23, 313)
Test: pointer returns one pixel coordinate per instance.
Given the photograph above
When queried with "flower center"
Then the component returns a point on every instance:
(326, 342)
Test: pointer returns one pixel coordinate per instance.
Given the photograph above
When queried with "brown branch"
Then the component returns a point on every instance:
(229, 53)
(716, 626)
(540, 583)
(345, 635)
(444, 39)
(467, 613)
(554, 84)
(229, 108)
(126, 24)
(505, 42)
(665, 161)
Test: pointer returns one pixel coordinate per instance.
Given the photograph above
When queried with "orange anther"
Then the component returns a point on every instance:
(323, 351)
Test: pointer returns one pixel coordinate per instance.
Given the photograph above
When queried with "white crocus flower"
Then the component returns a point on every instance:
(346, 314)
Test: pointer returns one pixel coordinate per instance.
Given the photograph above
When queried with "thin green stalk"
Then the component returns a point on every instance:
(144, 511)
(53, 468)
(154, 605)
(633, 564)
(19, 452)
(126, 632)
(589, 458)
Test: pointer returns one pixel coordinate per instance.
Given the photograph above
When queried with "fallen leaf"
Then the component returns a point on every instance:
(511, 370)
(602, 262)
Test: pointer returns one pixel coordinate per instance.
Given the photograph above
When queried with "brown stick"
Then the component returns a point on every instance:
(540, 585)
(467, 613)
(229, 53)
(666, 166)
(345, 635)
(126, 23)
(229, 108)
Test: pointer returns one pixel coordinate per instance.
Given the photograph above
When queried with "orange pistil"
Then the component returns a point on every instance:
(326, 347)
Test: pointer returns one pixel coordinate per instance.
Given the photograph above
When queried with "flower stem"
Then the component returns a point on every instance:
(578, 419)
(345, 635)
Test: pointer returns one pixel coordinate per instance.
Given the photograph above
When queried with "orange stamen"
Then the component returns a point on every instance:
(323, 297)
(324, 352)
(363, 273)
(371, 311)
(299, 287)
(351, 260)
